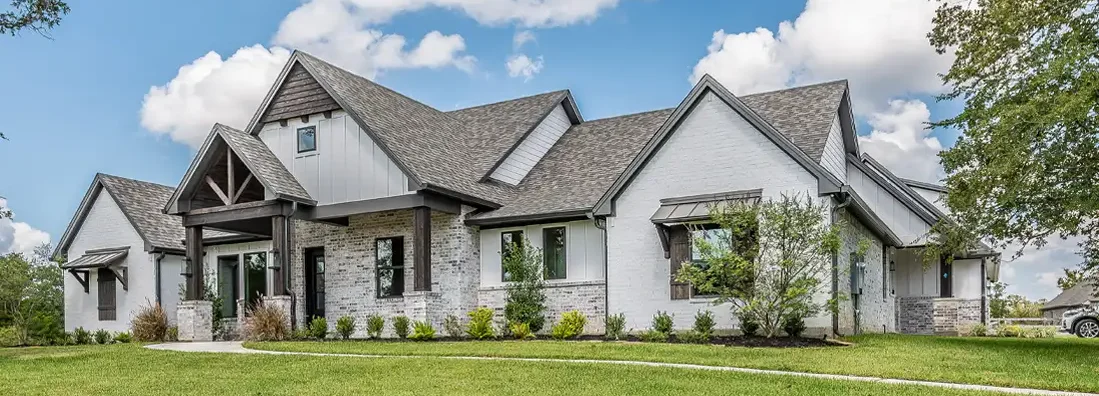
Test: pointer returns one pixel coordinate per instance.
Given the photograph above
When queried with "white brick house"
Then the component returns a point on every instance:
(342, 197)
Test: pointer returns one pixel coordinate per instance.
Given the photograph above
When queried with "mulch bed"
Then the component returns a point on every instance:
(737, 341)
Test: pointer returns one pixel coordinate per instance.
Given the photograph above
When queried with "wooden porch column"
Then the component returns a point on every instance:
(281, 260)
(195, 283)
(421, 248)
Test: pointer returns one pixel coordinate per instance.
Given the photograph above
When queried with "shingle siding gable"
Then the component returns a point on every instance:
(299, 95)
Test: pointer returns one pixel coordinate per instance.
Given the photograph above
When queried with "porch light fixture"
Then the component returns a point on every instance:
(892, 266)
(273, 263)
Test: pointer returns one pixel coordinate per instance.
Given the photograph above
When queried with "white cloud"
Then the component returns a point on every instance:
(881, 46)
(18, 237)
(901, 141)
(1034, 273)
(522, 37)
(214, 88)
(522, 65)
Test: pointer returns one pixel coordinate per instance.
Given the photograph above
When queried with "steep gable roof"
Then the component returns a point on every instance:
(802, 114)
(142, 203)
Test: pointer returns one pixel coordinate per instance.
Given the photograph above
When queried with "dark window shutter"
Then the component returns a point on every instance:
(106, 282)
(680, 251)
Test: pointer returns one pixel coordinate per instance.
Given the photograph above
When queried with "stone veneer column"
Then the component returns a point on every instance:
(194, 319)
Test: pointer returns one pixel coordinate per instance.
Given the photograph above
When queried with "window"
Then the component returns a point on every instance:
(255, 277)
(717, 238)
(107, 308)
(389, 256)
(554, 253)
(508, 240)
(307, 139)
(229, 284)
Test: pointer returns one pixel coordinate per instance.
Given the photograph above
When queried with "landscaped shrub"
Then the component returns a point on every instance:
(400, 326)
(976, 330)
(453, 327)
(173, 334)
(1040, 332)
(571, 325)
(521, 331)
(345, 325)
(422, 331)
(653, 336)
(503, 329)
(616, 326)
(525, 301)
(693, 337)
(663, 322)
(704, 323)
(374, 326)
(8, 336)
(65, 338)
(480, 324)
(81, 336)
(123, 337)
(318, 328)
(748, 325)
(266, 323)
(1009, 331)
(150, 323)
(300, 335)
(103, 337)
(793, 325)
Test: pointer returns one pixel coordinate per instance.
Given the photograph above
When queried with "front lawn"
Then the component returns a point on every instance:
(130, 369)
(1069, 364)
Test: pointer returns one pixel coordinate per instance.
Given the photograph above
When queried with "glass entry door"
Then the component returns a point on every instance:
(314, 283)
(255, 278)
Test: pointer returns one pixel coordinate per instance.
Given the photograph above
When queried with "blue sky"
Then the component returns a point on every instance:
(75, 103)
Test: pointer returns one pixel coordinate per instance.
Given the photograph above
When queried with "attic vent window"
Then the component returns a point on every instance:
(307, 139)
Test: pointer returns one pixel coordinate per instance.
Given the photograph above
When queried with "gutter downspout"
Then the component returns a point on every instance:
(835, 266)
(286, 271)
(602, 225)
(156, 274)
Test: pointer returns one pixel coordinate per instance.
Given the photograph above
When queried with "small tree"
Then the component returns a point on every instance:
(31, 294)
(526, 301)
(770, 260)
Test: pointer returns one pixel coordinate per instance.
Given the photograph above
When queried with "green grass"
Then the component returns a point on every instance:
(1069, 364)
(130, 369)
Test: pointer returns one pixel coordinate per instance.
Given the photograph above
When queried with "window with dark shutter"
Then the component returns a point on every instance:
(679, 248)
(107, 305)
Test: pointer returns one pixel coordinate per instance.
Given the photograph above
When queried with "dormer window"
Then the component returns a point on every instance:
(307, 139)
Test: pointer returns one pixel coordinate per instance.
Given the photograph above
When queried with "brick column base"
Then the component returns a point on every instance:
(283, 304)
(425, 306)
(194, 319)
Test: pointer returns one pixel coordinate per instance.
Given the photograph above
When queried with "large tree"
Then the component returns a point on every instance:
(1027, 165)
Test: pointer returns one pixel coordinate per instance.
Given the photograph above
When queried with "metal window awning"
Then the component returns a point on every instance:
(697, 207)
(100, 258)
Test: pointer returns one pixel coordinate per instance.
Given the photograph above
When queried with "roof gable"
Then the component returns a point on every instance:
(802, 114)
(708, 84)
(298, 94)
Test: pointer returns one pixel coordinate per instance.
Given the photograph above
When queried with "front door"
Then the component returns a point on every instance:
(314, 283)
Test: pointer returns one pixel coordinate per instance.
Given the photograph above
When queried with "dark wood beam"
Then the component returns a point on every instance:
(231, 185)
(236, 212)
(195, 271)
(407, 201)
(122, 275)
(217, 190)
(421, 248)
(281, 247)
(82, 277)
(243, 186)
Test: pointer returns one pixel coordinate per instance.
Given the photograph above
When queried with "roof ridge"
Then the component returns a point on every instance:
(370, 81)
(842, 80)
(627, 115)
(507, 100)
(134, 180)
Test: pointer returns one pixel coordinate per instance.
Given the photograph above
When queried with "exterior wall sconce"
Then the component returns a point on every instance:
(273, 263)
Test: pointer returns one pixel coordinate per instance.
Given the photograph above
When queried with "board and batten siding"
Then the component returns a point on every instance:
(107, 227)
(713, 150)
(903, 221)
(171, 281)
(936, 198)
(914, 279)
(583, 245)
(346, 166)
(531, 150)
(833, 156)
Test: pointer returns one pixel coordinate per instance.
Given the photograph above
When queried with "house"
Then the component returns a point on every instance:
(1083, 294)
(343, 197)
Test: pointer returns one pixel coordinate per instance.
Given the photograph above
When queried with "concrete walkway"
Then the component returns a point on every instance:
(238, 347)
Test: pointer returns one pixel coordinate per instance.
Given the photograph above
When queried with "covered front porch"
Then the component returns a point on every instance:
(941, 296)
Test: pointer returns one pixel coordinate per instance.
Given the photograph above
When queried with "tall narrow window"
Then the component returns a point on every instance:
(307, 139)
(389, 254)
(554, 253)
(508, 241)
(106, 282)
(255, 277)
(229, 284)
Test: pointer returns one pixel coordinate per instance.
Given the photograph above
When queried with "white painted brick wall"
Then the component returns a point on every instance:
(106, 227)
(588, 297)
(714, 150)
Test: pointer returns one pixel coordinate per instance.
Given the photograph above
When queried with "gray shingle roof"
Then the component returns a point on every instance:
(142, 202)
(803, 114)
(1080, 294)
(264, 164)
(431, 145)
(495, 128)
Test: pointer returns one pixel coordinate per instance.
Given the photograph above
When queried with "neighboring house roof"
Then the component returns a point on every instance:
(141, 202)
(495, 129)
(1081, 294)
